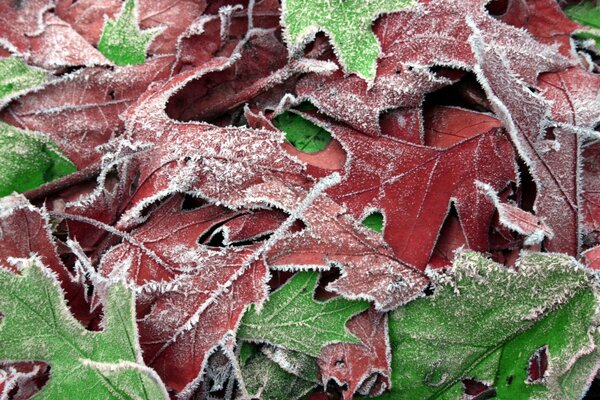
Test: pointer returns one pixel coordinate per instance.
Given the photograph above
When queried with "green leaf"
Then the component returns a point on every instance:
(588, 14)
(266, 380)
(28, 160)
(37, 325)
(301, 133)
(16, 77)
(122, 42)
(374, 221)
(291, 318)
(485, 322)
(348, 25)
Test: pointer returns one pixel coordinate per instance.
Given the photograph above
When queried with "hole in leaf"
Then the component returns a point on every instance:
(111, 94)
(301, 133)
(325, 279)
(466, 93)
(374, 221)
(191, 203)
(497, 7)
(334, 390)
(527, 191)
(509, 379)
(474, 387)
(429, 290)
(217, 240)
(549, 134)
(538, 364)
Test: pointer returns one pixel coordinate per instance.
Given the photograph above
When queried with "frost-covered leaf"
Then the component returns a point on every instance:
(484, 322)
(122, 41)
(17, 77)
(415, 194)
(369, 268)
(361, 368)
(30, 30)
(348, 25)
(291, 318)
(36, 325)
(81, 111)
(554, 164)
(266, 380)
(28, 160)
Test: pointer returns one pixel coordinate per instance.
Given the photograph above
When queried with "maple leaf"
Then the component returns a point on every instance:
(414, 215)
(291, 312)
(84, 363)
(43, 39)
(364, 367)
(436, 343)
(81, 111)
(29, 160)
(347, 23)
(121, 41)
(18, 78)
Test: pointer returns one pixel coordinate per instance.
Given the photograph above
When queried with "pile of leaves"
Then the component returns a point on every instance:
(239, 199)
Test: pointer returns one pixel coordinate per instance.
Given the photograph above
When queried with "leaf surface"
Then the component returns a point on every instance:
(549, 301)
(291, 313)
(348, 24)
(36, 325)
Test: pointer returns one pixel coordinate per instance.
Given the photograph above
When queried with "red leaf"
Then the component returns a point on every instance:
(369, 269)
(81, 111)
(415, 194)
(363, 367)
(43, 38)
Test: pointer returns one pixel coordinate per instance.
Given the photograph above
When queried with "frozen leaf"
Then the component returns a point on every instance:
(554, 166)
(415, 194)
(87, 17)
(32, 31)
(291, 313)
(196, 157)
(361, 368)
(431, 34)
(266, 380)
(484, 322)
(195, 312)
(36, 325)
(17, 78)
(517, 219)
(369, 268)
(301, 133)
(28, 160)
(544, 19)
(81, 110)
(122, 41)
(348, 25)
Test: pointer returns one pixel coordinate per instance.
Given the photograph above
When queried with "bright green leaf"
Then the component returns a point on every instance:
(485, 322)
(37, 325)
(28, 160)
(588, 14)
(266, 380)
(374, 221)
(347, 23)
(122, 42)
(16, 77)
(291, 318)
(301, 133)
